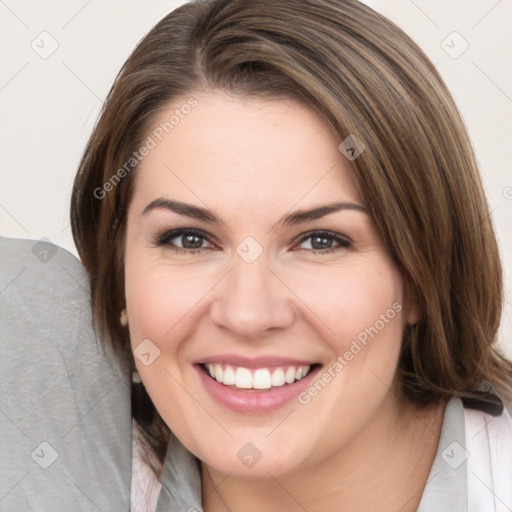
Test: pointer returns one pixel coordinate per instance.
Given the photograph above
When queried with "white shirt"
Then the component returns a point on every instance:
(145, 485)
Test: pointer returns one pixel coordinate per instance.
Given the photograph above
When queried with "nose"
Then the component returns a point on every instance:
(252, 301)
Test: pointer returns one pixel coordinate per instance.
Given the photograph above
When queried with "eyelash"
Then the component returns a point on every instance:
(164, 238)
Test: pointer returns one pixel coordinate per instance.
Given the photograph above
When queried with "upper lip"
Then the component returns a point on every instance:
(254, 362)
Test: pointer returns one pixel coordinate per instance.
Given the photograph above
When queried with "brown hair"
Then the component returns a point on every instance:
(418, 174)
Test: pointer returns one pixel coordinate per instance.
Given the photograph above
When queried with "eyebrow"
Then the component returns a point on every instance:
(290, 219)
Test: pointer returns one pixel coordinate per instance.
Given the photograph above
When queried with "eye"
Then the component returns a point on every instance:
(324, 242)
(189, 241)
(194, 241)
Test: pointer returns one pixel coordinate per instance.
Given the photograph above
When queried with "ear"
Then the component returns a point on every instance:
(123, 319)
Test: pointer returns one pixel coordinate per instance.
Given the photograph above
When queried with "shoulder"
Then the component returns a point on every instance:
(17, 255)
(489, 458)
(473, 463)
(41, 280)
(45, 302)
(62, 396)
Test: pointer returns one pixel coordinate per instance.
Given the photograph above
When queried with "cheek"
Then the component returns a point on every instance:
(158, 300)
(362, 302)
(360, 313)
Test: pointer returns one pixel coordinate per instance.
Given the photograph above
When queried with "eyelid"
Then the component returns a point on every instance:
(162, 239)
(343, 240)
(332, 234)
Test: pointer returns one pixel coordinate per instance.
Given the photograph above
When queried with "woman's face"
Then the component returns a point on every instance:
(237, 263)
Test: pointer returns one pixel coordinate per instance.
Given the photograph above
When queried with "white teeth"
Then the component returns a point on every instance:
(218, 372)
(243, 378)
(229, 376)
(289, 376)
(262, 378)
(278, 377)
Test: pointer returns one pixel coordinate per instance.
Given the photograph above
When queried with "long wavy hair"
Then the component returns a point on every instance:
(418, 175)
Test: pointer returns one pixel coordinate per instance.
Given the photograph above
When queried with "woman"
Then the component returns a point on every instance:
(288, 243)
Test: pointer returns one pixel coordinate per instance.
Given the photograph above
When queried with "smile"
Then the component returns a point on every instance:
(254, 386)
(260, 378)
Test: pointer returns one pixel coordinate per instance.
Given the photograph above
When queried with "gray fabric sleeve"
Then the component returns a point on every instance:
(65, 418)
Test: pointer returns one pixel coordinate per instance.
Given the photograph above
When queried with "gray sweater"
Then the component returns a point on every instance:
(65, 418)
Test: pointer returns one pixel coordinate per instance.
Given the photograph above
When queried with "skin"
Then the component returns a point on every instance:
(354, 446)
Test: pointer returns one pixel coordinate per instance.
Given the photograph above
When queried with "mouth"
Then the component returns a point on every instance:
(259, 379)
(249, 387)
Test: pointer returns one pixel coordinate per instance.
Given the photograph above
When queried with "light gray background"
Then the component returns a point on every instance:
(48, 106)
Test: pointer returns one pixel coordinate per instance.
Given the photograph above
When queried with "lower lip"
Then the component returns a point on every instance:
(254, 401)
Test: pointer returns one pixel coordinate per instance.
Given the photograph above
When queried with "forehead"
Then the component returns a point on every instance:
(258, 152)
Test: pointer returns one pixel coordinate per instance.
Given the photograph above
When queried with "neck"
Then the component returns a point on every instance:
(385, 468)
